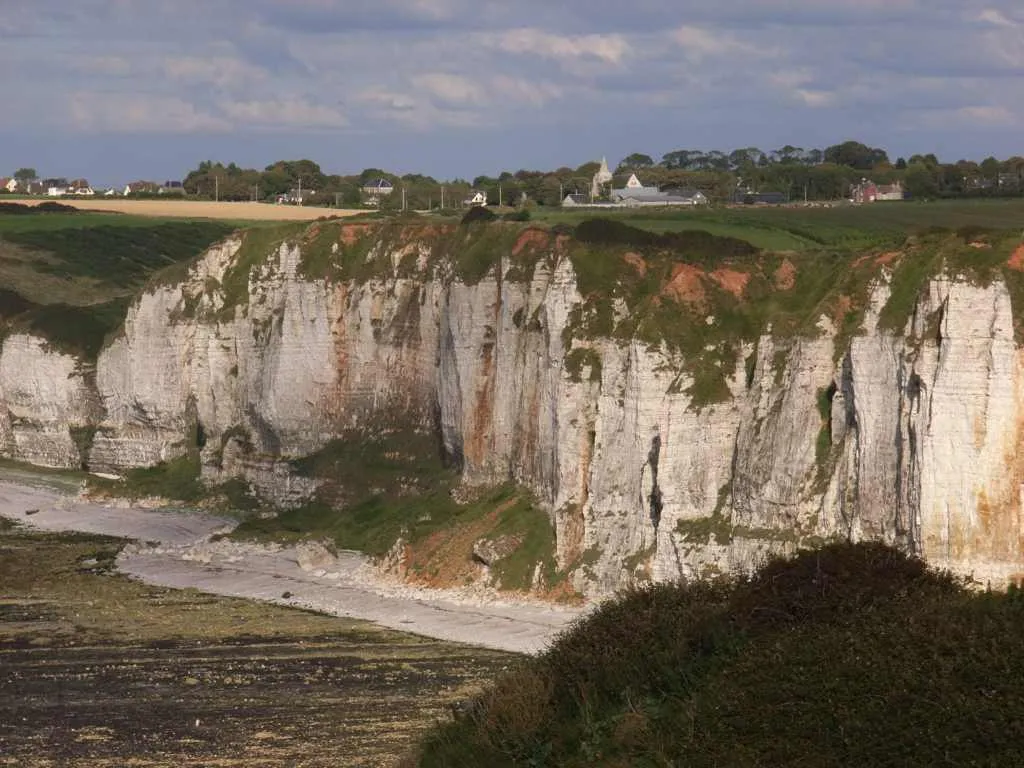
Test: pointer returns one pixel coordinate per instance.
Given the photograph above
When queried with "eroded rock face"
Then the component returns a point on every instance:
(912, 438)
(48, 403)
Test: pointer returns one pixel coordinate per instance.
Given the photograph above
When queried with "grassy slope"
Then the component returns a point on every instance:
(850, 656)
(853, 227)
(71, 277)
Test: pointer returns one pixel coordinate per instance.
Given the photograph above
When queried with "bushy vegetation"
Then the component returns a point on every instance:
(379, 487)
(852, 655)
(175, 480)
(122, 256)
(70, 276)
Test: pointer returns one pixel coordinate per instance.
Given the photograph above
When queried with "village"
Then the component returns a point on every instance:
(374, 192)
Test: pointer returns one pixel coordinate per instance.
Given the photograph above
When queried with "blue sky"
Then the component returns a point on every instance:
(115, 90)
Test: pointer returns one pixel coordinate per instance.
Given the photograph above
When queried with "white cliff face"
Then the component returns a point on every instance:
(46, 399)
(911, 438)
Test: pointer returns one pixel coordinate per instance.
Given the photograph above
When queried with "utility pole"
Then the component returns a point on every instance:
(403, 197)
(300, 190)
(499, 195)
(337, 199)
(216, 189)
(442, 197)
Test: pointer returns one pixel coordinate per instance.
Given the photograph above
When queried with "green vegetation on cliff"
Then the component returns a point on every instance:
(851, 655)
(378, 488)
(70, 276)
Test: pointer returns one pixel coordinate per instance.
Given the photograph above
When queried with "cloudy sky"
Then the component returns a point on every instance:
(115, 90)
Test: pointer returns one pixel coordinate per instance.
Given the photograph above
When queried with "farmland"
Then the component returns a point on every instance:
(814, 228)
(203, 209)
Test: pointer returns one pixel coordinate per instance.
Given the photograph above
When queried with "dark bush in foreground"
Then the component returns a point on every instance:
(853, 655)
(478, 213)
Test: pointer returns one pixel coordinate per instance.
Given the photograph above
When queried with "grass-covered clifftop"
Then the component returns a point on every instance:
(70, 276)
(853, 655)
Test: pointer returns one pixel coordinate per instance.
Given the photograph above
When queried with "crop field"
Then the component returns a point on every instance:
(814, 228)
(203, 209)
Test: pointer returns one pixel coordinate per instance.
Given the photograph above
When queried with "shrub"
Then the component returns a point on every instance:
(854, 654)
(478, 213)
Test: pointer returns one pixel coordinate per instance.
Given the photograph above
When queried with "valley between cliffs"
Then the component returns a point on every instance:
(674, 406)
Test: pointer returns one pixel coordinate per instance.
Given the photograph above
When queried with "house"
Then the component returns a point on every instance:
(890, 192)
(4, 182)
(81, 188)
(141, 188)
(868, 192)
(56, 191)
(296, 196)
(634, 188)
(575, 199)
(476, 198)
(865, 192)
(172, 188)
(635, 194)
(32, 188)
(375, 189)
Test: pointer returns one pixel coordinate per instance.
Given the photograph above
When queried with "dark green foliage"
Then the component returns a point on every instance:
(696, 244)
(83, 439)
(580, 358)
(177, 480)
(13, 304)
(377, 486)
(851, 655)
(20, 209)
(522, 214)
(123, 256)
(478, 214)
(79, 331)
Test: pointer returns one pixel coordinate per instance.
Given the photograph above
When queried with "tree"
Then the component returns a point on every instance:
(635, 161)
(26, 174)
(853, 154)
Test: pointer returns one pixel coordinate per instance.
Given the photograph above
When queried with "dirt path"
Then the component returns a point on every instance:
(174, 550)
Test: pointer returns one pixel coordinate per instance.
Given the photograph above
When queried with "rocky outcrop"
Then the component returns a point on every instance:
(909, 436)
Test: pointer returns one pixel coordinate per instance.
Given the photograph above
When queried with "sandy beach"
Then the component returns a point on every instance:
(174, 549)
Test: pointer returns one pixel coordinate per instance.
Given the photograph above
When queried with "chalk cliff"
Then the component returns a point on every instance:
(863, 423)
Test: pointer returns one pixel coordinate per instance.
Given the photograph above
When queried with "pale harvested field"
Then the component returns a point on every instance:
(199, 209)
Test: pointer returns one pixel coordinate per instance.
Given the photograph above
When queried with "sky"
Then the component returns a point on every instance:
(118, 90)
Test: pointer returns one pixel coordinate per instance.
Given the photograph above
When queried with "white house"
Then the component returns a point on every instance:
(475, 198)
(376, 189)
(56, 191)
(11, 185)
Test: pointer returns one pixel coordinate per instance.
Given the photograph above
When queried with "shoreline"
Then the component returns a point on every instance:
(174, 549)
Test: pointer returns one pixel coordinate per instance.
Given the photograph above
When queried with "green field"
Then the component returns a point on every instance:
(70, 276)
(805, 229)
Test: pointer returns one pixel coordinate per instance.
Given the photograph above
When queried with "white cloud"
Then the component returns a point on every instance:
(295, 113)
(222, 71)
(113, 66)
(996, 18)
(518, 90)
(987, 115)
(451, 89)
(139, 113)
(609, 48)
(699, 43)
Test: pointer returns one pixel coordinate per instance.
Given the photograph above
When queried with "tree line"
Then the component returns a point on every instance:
(797, 173)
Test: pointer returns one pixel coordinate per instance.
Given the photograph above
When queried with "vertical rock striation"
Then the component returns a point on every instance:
(911, 437)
